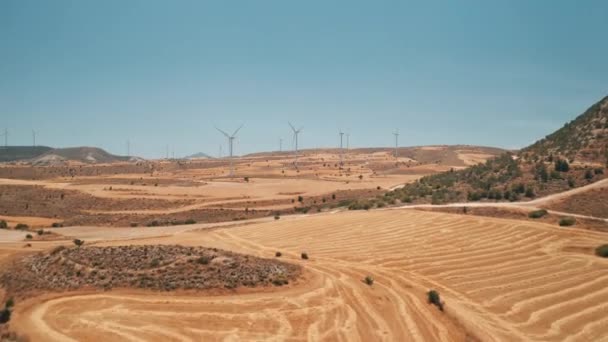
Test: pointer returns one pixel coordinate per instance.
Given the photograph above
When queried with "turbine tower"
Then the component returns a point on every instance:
(34, 138)
(348, 141)
(230, 146)
(280, 144)
(341, 148)
(396, 134)
(295, 138)
(128, 148)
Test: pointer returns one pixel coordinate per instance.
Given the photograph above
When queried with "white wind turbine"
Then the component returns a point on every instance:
(230, 146)
(341, 148)
(396, 134)
(295, 137)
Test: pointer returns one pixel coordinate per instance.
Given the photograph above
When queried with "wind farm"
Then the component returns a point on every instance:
(303, 171)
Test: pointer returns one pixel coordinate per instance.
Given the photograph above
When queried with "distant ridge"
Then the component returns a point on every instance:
(15, 153)
(44, 155)
(199, 155)
(87, 155)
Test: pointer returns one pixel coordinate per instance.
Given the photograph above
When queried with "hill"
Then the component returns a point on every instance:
(452, 155)
(87, 155)
(575, 155)
(198, 155)
(584, 139)
(16, 153)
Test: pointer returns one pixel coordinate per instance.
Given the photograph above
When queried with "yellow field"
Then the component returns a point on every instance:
(500, 280)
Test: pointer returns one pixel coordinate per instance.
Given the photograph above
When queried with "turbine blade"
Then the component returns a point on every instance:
(292, 128)
(237, 130)
(224, 133)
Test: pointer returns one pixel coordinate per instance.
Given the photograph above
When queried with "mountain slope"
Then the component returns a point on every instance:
(16, 153)
(88, 155)
(575, 155)
(584, 139)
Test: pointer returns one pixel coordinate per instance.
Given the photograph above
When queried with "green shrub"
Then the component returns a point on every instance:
(154, 223)
(56, 225)
(369, 280)
(203, 260)
(537, 213)
(40, 231)
(562, 165)
(277, 216)
(304, 255)
(567, 221)
(602, 251)
(3, 224)
(190, 221)
(433, 297)
(278, 254)
(21, 226)
(29, 236)
(5, 315)
(78, 242)
(10, 303)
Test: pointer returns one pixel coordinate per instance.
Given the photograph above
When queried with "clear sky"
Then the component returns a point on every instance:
(96, 73)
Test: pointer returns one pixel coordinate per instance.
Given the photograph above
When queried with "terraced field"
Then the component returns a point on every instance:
(500, 280)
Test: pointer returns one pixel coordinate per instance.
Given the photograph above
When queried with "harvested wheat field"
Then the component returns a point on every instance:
(500, 280)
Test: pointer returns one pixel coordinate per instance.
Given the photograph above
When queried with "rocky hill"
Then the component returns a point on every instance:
(16, 153)
(584, 139)
(87, 155)
(46, 156)
(574, 155)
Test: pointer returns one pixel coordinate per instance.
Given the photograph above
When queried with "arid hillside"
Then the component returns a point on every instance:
(575, 155)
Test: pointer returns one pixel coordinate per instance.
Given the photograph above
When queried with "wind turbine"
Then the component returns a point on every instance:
(295, 137)
(348, 141)
(34, 138)
(280, 144)
(341, 148)
(396, 134)
(230, 144)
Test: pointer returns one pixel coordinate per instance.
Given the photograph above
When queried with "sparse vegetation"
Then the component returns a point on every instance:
(278, 254)
(203, 260)
(157, 267)
(537, 213)
(21, 226)
(567, 221)
(304, 255)
(5, 314)
(433, 298)
(78, 242)
(29, 236)
(602, 251)
(369, 280)
(190, 221)
(3, 224)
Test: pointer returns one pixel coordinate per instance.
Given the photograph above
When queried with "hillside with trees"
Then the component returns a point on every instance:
(573, 156)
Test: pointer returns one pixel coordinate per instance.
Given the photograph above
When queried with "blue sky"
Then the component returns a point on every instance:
(96, 73)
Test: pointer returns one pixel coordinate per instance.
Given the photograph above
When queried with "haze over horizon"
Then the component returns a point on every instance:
(157, 73)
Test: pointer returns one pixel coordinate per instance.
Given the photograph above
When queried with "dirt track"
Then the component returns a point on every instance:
(501, 279)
